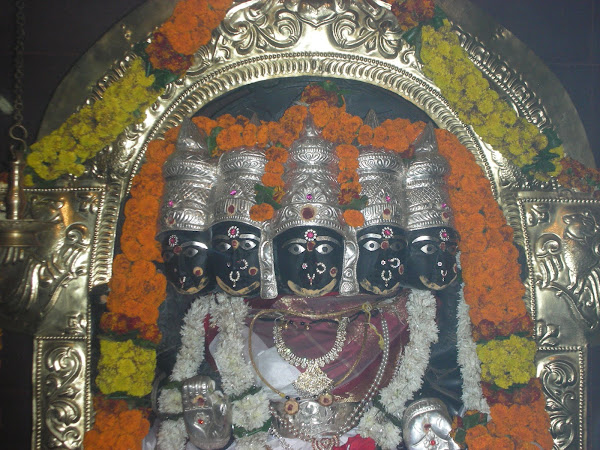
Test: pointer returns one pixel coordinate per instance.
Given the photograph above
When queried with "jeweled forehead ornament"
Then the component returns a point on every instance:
(426, 191)
(310, 197)
(189, 176)
(381, 173)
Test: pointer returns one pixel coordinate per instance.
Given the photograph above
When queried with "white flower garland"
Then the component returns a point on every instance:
(252, 411)
(191, 353)
(172, 435)
(470, 365)
(169, 401)
(421, 308)
(229, 314)
(256, 441)
(376, 426)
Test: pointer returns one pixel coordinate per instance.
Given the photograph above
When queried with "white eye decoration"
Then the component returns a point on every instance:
(248, 245)
(190, 252)
(296, 249)
(222, 247)
(428, 249)
(324, 249)
(371, 246)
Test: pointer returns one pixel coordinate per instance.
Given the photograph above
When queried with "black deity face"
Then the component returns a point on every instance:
(185, 254)
(382, 254)
(308, 261)
(431, 262)
(235, 261)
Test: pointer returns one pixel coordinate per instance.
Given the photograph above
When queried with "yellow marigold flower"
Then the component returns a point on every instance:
(125, 367)
(507, 362)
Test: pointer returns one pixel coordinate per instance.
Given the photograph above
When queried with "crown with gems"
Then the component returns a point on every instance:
(426, 192)
(239, 170)
(189, 177)
(380, 174)
(311, 188)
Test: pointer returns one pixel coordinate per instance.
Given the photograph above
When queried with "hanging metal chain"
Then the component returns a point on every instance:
(18, 132)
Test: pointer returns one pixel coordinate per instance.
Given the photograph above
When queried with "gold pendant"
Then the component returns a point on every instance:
(312, 382)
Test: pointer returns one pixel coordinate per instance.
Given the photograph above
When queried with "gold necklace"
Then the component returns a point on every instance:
(313, 381)
(291, 405)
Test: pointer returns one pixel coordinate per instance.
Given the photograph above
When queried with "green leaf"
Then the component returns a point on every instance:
(473, 420)
(241, 431)
(212, 139)
(460, 436)
(162, 78)
(411, 35)
(553, 140)
(437, 21)
(265, 194)
(356, 203)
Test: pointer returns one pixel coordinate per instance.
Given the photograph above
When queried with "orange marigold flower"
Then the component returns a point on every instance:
(365, 135)
(163, 56)
(225, 121)
(261, 212)
(231, 137)
(352, 186)
(354, 218)
(346, 151)
(205, 123)
(348, 164)
(315, 92)
(274, 167)
(262, 136)
(347, 175)
(272, 180)
(249, 135)
(322, 113)
(276, 154)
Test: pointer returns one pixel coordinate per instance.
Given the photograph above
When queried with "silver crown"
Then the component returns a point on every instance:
(238, 171)
(311, 189)
(311, 198)
(189, 177)
(381, 174)
(426, 192)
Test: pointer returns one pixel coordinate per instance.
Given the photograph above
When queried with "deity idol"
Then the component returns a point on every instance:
(313, 247)
(432, 242)
(235, 236)
(183, 228)
(382, 238)
(315, 349)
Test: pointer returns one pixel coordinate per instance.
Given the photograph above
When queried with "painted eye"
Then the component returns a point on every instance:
(248, 245)
(371, 245)
(167, 256)
(324, 249)
(428, 249)
(222, 247)
(397, 245)
(296, 249)
(190, 252)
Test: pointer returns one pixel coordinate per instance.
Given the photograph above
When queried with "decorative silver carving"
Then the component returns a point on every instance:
(380, 175)
(63, 381)
(273, 26)
(547, 334)
(559, 381)
(426, 193)
(234, 194)
(189, 177)
(576, 253)
(511, 83)
(206, 413)
(425, 421)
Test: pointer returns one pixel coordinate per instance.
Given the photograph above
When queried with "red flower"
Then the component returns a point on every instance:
(357, 443)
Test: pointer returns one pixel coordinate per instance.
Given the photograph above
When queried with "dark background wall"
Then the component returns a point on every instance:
(565, 34)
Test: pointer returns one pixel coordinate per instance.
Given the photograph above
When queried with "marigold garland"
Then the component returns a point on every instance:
(94, 126)
(125, 367)
(116, 426)
(469, 93)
